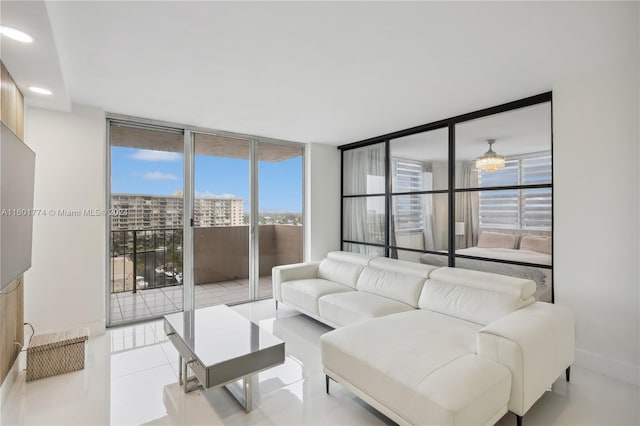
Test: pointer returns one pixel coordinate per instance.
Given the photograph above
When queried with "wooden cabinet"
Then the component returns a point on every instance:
(11, 103)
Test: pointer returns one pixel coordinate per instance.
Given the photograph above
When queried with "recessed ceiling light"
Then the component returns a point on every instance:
(40, 90)
(14, 34)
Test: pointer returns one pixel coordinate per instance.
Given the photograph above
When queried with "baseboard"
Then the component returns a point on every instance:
(96, 328)
(618, 370)
(9, 381)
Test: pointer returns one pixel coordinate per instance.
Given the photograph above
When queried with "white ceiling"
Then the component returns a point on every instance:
(34, 64)
(329, 72)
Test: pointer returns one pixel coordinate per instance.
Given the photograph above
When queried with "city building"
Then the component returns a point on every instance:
(143, 211)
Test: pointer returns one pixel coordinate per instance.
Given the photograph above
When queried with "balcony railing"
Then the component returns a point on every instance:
(144, 259)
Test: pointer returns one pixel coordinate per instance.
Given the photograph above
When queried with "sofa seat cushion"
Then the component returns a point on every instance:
(421, 365)
(349, 307)
(304, 294)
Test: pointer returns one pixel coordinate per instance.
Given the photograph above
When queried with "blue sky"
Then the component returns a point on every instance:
(139, 171)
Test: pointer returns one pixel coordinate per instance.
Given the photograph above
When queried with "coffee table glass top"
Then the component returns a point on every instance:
(218, 333)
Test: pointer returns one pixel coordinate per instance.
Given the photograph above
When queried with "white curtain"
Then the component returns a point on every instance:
(427, 209)
(364, 173)
(467, 204)
(364, 170)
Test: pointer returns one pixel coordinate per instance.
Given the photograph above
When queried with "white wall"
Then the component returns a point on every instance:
(322, 205)
(65, 286)
(596, 150)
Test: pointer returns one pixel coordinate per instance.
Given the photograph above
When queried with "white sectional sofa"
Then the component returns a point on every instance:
(428, 345)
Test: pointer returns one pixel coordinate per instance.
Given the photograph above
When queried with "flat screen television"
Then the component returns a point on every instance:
(17, 168)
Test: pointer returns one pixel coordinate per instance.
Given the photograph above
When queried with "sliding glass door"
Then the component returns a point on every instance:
(279, 210)
(199, 217)
(146, 222)
(221, 219)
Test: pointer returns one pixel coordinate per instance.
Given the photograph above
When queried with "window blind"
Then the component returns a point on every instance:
(518, 208)
(408, 214)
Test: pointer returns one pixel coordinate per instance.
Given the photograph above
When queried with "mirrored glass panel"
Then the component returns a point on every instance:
(364, 170)
(507, 149)
(435, 259)
(363, 249)
(541, 276)
(419, 221)
(494, 224)
(364, 219)
(420, 162)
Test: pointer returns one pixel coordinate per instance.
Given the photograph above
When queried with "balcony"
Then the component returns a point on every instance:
(221, 267)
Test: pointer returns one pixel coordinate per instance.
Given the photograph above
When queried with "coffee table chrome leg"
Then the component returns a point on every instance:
(243, 391)
(180, 370)
(189, 384)
(248, 393)
(185, 377)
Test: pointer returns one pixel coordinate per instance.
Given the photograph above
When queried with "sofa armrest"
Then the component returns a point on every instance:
(536, 343)
(296, 271)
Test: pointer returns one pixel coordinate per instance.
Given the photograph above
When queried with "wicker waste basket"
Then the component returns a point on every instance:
(56, 353)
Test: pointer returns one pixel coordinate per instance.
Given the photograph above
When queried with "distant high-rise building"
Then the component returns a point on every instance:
(140, 211)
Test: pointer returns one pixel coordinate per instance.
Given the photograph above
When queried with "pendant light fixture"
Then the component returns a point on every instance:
(490, 161)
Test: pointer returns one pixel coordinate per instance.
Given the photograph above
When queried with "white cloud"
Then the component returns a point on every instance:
(148, 155)
(207, 194)
(159, 176)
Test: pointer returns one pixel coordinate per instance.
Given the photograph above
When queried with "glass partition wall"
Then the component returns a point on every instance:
(364, 209)
(199, 217)
(419, 185)
(474, 191)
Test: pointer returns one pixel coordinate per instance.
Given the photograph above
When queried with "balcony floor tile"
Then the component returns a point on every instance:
(155, 302)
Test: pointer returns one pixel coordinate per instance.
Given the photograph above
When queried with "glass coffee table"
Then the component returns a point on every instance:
(221, 347)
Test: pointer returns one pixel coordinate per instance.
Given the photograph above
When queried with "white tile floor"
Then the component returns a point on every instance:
(131, 379)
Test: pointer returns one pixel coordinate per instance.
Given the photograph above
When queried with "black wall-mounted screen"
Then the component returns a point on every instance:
(17, 167)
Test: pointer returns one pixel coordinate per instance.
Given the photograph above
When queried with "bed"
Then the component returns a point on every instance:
(515, 248)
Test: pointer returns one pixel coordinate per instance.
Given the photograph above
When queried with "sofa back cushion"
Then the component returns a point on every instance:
(480, 297)
(340, 272)
(402, 266)
(398, 286)
(355, 258)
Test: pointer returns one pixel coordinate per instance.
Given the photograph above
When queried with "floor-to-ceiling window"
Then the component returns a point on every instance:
(199, 217)
(474, 191)
(146, 221)
(280, 201)
(221, 219)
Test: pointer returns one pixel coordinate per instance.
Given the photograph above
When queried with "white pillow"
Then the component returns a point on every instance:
(497, 240)
(533, 243)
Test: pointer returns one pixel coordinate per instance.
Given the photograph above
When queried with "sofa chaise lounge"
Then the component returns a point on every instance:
(429, 345)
